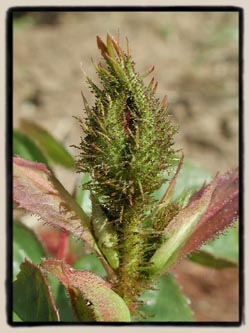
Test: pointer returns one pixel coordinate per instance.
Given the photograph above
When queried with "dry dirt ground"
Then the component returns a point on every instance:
(196, 63)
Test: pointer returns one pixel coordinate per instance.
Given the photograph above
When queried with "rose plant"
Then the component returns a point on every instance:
(126, 227)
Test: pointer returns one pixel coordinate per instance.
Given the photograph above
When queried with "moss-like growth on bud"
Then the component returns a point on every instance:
(128, 142)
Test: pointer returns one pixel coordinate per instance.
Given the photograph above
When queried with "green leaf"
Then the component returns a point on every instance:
(166, 303)
(226, 245)
(179, 229)
(25, 245)
(26, 148)
(210, 260)
(54, 151)
(192, 176)
(16, 318)
(92, 298)
(61, 298)
(90, 262)
(32, 299)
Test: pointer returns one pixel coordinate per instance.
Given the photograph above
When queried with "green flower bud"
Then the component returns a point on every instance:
(129, 135)
(127, 144)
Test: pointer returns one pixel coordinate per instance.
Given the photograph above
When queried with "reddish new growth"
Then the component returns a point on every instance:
(221, 213)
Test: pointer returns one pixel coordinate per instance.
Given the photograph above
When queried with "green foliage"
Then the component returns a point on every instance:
(61, 298)
(166, 303)
(25, 245)
(225, 246)
(47, 192)
(209, 259)
(91, 297)
(220, 252)
(16, 318)
(33, 300)
(179, 230)
(191, 177)
(25, 147)
(51, 148)
(90, 262)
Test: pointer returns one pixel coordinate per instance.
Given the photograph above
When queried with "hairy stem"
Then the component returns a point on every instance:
(129, 284)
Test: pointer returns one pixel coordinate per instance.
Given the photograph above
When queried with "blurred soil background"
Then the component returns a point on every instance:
(196, 64)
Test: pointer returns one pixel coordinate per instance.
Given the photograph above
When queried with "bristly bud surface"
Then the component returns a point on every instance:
(127, 143)
(129, 135)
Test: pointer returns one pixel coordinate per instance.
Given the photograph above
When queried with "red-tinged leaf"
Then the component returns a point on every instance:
(179, 230)
(221, 213)
(108, 54)
(32, 298)
(91, 297)
(38, 191)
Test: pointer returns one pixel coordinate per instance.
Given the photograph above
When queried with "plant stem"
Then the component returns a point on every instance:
(129, 284)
